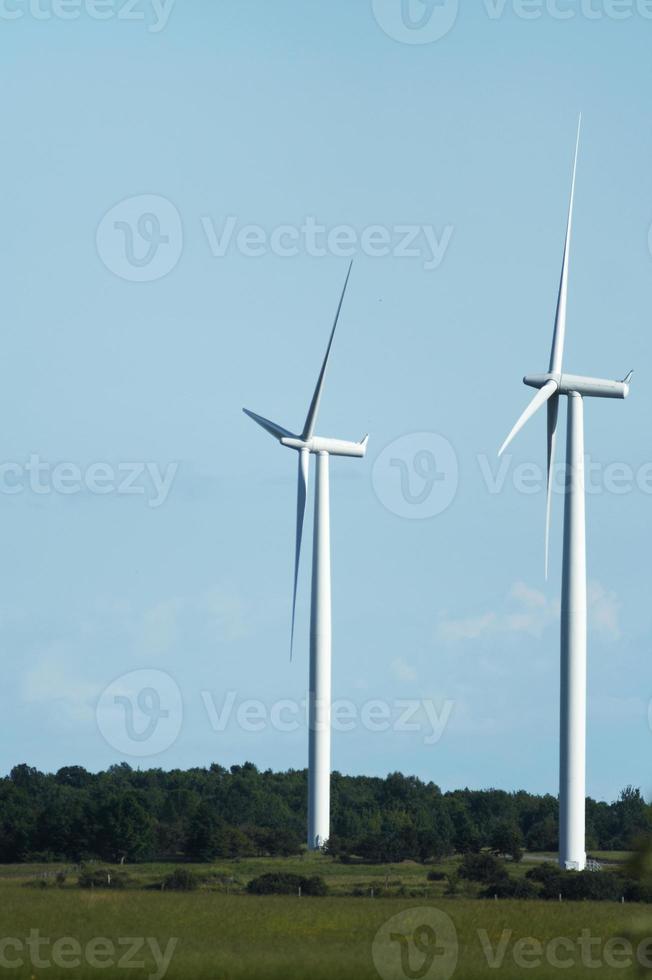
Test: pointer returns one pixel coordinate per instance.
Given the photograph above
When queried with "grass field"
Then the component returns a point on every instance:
(229, 935)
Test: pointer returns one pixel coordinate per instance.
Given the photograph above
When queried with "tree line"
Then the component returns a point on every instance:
(203, 814)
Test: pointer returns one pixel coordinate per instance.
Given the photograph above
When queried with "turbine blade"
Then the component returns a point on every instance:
(311, 417)
(541, 397)
(553, 413)
(302, 493)
(559, 336)
(275, 430)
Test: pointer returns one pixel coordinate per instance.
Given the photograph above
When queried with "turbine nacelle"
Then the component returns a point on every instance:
(588, 387)
(313, 444)
(334, 447)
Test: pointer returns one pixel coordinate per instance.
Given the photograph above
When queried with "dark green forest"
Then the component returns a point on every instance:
(202, 814)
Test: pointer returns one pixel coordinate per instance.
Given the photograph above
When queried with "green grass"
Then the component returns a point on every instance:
(236, 936)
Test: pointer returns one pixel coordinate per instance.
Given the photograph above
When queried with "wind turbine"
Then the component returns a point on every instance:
(319, 686)
(572, 749)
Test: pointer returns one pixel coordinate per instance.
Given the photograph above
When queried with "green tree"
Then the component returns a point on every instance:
(506, 839)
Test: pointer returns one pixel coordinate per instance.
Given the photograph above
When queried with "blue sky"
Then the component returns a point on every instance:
(231, 127)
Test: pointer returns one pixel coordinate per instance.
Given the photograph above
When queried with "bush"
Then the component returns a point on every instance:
(102, 878)
(277, 843)
(482, 867)
(511, 888)
(543, 872)
(287, 884)
(637, 891)
(339, 848)
(179, 880)
(453, 885)
(577, 886)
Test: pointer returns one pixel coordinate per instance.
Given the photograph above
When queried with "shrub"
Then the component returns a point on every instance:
(511, 888)
(636, 891)
(436, 876)
(277, 843)
(102, 878)
(577, 886)
(179, 880)
(543, 872)
(280, 883)
(453, 885)
(482, 867)
(339, 848)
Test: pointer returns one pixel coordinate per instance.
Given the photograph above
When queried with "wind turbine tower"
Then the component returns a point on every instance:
(306, 443)
(551, 386)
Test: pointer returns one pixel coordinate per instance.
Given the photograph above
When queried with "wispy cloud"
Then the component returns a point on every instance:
(604, 611)
(403, 671)
(218, 613)
(66, 677)
(530, 613)
(49, 683)
(527, 610)
(468, 628)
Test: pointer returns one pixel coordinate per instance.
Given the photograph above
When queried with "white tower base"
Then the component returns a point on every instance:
(319, 692)
(572, 768)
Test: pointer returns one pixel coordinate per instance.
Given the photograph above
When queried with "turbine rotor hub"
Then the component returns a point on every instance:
(588, 387)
